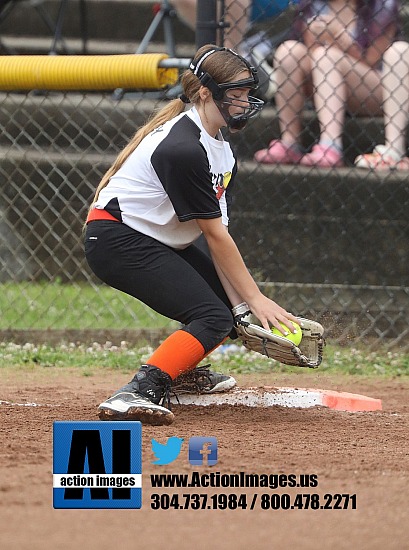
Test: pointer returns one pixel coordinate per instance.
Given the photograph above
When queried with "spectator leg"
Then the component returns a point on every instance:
(395, 80)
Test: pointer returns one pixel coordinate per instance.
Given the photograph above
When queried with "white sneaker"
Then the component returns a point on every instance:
(203, 380)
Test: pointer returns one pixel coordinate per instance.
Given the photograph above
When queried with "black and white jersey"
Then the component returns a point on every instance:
(176, 175)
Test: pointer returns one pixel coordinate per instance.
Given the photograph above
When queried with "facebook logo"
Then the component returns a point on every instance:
(203, 451)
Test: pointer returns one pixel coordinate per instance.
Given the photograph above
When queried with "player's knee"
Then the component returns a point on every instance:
(224, 322)
(212, 328)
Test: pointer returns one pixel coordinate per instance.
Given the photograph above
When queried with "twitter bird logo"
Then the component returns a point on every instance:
(167, 453)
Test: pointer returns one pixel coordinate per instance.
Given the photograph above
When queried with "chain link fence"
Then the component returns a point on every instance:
(327, 243)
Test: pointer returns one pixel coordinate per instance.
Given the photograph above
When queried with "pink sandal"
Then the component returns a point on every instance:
(322, 157)
(382, 160)
(278, 153)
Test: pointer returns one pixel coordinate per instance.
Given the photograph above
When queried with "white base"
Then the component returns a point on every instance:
(284, 397)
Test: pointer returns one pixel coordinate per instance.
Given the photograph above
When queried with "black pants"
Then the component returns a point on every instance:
(180, 284)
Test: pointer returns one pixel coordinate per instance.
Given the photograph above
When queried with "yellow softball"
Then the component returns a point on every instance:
(294, 337)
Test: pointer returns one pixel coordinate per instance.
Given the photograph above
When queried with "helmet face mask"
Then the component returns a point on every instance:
(249, 108)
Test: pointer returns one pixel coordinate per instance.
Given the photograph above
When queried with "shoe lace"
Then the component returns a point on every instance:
(175, 395)
(165, 400)
(200, 376)
(166, 384)
(159, 381)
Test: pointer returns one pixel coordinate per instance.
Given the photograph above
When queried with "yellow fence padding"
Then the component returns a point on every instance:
(85, 72)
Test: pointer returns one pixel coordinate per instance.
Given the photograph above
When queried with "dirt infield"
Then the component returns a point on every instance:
(366, 454)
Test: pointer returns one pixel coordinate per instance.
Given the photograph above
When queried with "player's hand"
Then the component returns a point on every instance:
(271, 314)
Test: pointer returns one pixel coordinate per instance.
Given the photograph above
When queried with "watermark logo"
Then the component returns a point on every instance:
(203, 451)
(167, 453)
(97, 465)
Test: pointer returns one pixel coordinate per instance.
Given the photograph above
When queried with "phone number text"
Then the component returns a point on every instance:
(263, 501)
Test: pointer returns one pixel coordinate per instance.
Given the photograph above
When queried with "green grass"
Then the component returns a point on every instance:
(57, 306)
(42, 306)
(337, 360)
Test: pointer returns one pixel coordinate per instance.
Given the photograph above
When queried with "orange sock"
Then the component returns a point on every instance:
(208, 353)
(177, 354)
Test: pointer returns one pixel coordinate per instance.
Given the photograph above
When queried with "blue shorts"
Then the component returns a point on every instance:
(264, 9)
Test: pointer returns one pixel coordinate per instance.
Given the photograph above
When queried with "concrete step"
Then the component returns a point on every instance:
(32, 45)
(360, 135)
(72, 122)
(341, 225)
(293, 224)
(112, 21)
(98, 122)
(106, 20)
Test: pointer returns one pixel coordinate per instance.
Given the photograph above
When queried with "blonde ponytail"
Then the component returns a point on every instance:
(172, 109)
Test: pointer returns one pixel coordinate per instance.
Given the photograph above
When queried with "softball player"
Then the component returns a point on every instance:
(171, 184)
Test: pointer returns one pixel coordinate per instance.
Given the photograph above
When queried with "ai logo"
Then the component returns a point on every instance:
(97, 465)
(203, 451)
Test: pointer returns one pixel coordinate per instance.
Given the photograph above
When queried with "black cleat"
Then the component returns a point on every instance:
(142, 399)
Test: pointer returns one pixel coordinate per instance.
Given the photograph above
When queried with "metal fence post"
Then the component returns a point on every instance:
(206, 22)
